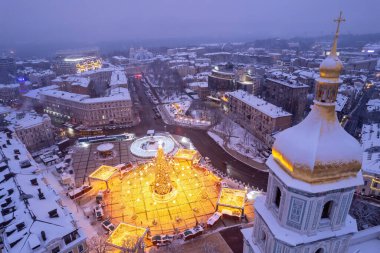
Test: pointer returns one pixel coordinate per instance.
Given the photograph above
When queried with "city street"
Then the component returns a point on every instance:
(204, 144)
(355, 118)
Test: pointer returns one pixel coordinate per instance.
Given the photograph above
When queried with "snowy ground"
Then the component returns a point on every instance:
(241, 141)
(173, 98)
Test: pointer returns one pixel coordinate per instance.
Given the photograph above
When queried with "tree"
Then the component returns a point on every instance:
(366, 215)
(227, 126)
(97, 244)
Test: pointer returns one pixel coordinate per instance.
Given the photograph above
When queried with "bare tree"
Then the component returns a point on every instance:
(97, 244)
(366, 215)
(246, 137)
(227, 127)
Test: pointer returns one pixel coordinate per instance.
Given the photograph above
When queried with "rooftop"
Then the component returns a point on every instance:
(33, 207)
(259, 104)
(370, 140)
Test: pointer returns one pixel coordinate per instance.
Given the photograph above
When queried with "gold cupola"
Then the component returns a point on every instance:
(318, 149)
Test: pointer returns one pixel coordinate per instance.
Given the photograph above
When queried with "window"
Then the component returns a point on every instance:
(80, 248)
(277, 200)
(263, 236)
(326, 212)
(55, 250)
(320, 250)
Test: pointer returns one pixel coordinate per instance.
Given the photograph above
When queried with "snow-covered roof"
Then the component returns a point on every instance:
(33, 205)
(116, 94)
(373, 105)
(24, 119)
(341, 101)
(290, 83)
(370, 140)
(35, 94)
(199, 84)
(318, 143)
(118, 78)
(259, 104)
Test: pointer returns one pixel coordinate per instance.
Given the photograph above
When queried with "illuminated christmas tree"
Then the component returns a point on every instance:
(162, 183)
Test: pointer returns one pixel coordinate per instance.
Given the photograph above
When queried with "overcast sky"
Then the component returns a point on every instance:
(47, 21)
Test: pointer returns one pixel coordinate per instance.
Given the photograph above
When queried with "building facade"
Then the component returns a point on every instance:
(115, 109)
(221, 81)
(288, 94)
(259, 117)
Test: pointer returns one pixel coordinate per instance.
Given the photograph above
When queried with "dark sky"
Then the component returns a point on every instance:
(47, 21)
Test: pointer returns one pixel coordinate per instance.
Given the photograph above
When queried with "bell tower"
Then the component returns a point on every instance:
(313, 172)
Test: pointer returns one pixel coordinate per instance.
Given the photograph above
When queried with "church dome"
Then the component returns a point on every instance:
(330, 67)
(318, 149)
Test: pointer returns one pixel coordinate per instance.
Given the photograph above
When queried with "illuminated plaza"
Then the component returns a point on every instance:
(189, 193)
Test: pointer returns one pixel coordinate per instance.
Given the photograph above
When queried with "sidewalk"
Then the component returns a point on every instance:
(242, 158)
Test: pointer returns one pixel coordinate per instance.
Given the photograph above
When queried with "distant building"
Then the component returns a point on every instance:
(221, 80)
(9, 93)
(7, 70)
(201, 88)
(118, 79)
(370, 140)
(259, 117)
(74, 84)
(139, 55)
(72, 62)
(250, 84)
(288, 94)
(33, 217)
(114, 109)
(36, 132)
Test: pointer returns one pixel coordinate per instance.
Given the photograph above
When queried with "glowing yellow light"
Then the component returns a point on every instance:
(282, 160)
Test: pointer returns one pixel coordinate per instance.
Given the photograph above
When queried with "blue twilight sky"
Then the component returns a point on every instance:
(49, 21)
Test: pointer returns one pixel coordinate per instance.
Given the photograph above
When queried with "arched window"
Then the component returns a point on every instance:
(320, 250)
(326, 211)
(277, 199)
(263, 236)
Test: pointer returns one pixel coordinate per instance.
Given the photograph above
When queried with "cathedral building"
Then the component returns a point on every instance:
(313, 172)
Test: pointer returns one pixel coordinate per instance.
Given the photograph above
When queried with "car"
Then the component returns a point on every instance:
(108, 226)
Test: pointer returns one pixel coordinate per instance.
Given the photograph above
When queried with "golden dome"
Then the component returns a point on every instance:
(330, 67)
(318, 149)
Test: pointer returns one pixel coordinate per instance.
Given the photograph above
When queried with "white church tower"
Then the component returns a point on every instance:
(314, 170)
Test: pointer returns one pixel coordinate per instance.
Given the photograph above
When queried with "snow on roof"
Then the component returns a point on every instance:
(24, 119)
(35, 94)
(259, 104)
(364, 241)
(5, 109)
(317, 141)
(116, 94)
(31, 200)
(199, 84)
(373, 105)
(341, 101)
(289, 83)
(370, 140)
(118, 78)
(9, 86)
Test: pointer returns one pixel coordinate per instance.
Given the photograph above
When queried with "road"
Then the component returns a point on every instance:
(356, 116)
(203, 143)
